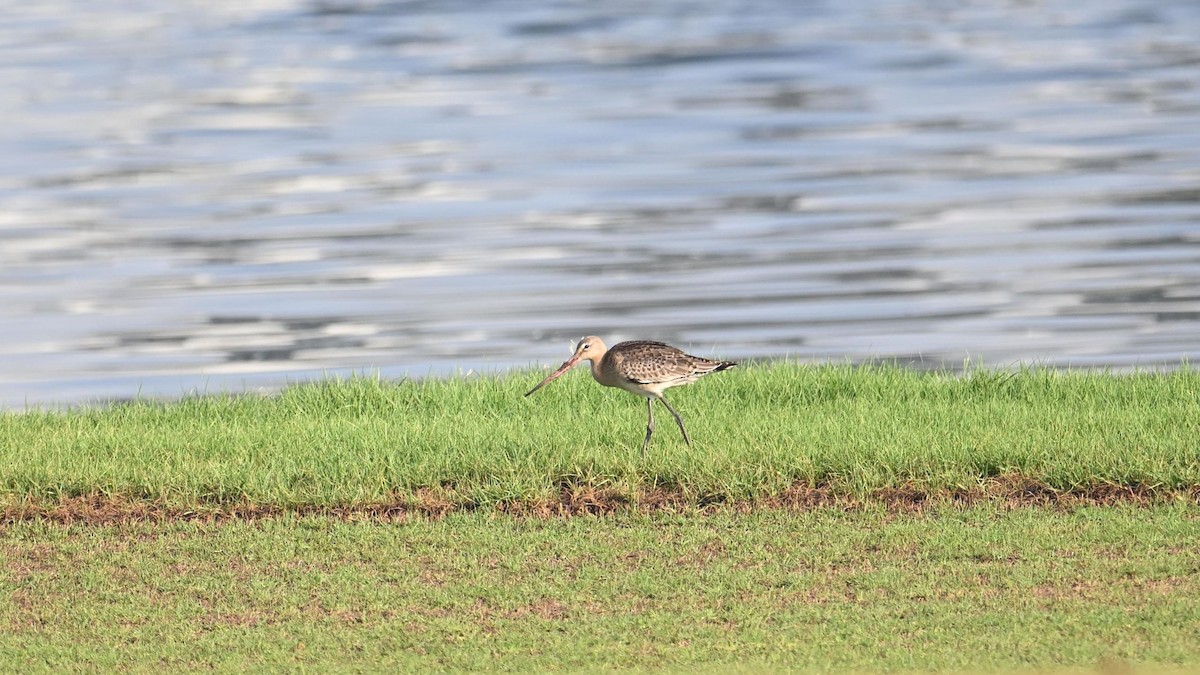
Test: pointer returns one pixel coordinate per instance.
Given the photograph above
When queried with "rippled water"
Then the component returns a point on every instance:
(220, 196)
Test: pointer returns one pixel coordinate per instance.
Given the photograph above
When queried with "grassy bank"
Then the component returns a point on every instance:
(977, 589)
(759, 432)
(170, 563)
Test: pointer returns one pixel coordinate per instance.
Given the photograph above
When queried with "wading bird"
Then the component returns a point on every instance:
(641, 367)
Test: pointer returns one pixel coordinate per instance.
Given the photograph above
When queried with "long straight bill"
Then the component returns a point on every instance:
(567, 365)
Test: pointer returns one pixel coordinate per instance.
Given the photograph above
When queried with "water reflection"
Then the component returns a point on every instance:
(228, 197)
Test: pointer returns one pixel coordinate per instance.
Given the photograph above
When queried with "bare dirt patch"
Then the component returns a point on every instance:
(1010, 491)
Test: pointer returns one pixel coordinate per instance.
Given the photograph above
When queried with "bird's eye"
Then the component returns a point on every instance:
(585, 347)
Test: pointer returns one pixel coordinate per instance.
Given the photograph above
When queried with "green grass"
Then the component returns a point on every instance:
(982, 588)
(757, 429)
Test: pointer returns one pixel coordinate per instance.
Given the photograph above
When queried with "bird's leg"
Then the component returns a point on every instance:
(678, 420)
(649, 425)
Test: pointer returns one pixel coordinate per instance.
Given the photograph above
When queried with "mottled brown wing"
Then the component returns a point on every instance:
(648, 362)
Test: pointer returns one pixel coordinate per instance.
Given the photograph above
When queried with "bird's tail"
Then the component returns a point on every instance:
(724, 365)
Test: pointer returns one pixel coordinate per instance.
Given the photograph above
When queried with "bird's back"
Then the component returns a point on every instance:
(646, 362)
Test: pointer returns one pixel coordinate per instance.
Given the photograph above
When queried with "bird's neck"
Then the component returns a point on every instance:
(599, 372)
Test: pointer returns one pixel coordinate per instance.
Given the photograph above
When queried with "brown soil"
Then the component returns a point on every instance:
(1010, 491)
